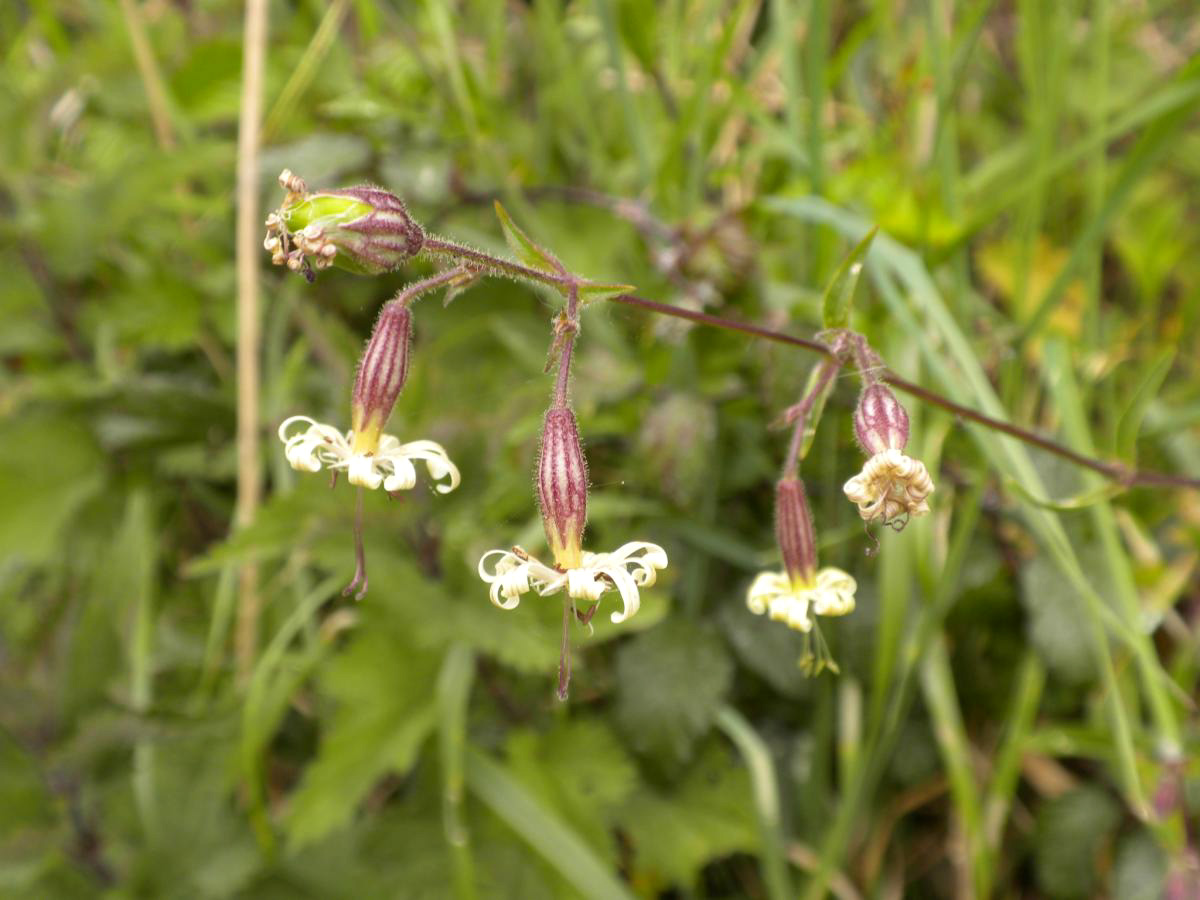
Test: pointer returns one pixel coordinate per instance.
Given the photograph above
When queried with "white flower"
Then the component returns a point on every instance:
(630, 567)
(831, 593)
(889, 486)
(391, 465)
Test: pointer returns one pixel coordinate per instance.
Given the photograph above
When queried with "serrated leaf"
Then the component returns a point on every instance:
(839, 293)
(674, 833)
(670, 683)
(580, 769)
(385, 710)
(524, 248)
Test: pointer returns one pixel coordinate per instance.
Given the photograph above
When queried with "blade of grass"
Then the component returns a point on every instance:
(302, 76)
(1149, 148)
(454, 695)
(941, 341)
(937, 684)
(766, 799)
(559, 845)
(1006, 767)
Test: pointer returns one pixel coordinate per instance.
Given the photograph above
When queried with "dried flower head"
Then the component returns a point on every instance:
(890, 488)
(361, 229)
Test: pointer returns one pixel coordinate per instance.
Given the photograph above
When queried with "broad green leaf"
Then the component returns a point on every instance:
(670, 683)
(1072, 831)
(580, 769)
(49, 465)
(839, 293)
(544, 831)
(523, 247)
(675, 832)
(384, 709)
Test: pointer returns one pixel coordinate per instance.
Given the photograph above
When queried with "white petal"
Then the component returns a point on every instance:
(583, 584)
(509, 577)
(363, 472)
(629, 593)
(765, 587)
(403, 477)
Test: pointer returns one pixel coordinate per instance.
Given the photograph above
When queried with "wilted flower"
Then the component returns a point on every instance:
(362, 229)
(891, 486)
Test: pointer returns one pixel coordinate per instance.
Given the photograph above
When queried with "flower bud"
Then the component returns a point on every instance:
(364, 229)
(794, 531)
(880, 422)
(382, 372)
(562, 487)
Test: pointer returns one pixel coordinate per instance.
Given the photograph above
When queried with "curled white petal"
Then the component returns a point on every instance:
(890, 485)
(508, 578)
(766, 587)
(831, 593)
(834, 593)
(363, 470)
(585, 584)
(316, 446)
(397, 458)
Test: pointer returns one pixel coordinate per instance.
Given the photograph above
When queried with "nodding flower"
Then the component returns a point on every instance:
(562, 495)
(362, 229)
(891, 486)
(370, 458)
(801, 591)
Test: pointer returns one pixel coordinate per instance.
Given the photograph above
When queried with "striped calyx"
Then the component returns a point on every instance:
(363, 229)
(880, 422)
(794, 532)
(382, 372)
(562, 487)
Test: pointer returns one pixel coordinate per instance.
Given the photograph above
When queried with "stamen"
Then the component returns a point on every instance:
(564, 654)
(360, 556)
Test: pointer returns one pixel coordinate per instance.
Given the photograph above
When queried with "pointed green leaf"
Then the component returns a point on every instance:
(599, 290)
(839, 294)
(1130, 422)
(523, 247)
(818, 407)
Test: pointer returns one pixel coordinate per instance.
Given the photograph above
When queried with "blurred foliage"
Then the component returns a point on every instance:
(1015, 712)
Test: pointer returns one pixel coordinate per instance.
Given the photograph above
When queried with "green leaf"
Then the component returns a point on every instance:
(818, 407)
(580, 769)
(49, 466)
(839, 293)
(670, 683)
(1071, 830)
(524, 249)
(385, 709)
(545, 832)
(674, 833)
(599, 290)
(1130, 423)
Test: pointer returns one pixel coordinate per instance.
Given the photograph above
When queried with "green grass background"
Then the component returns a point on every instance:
(1015, 714)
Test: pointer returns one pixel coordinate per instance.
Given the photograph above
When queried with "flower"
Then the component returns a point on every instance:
(390, 465)
(785, 599)
(890, 485)
(631, 566)
(362, 229)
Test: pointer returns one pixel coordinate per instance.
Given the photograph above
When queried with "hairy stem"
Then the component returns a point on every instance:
(1122, 474)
